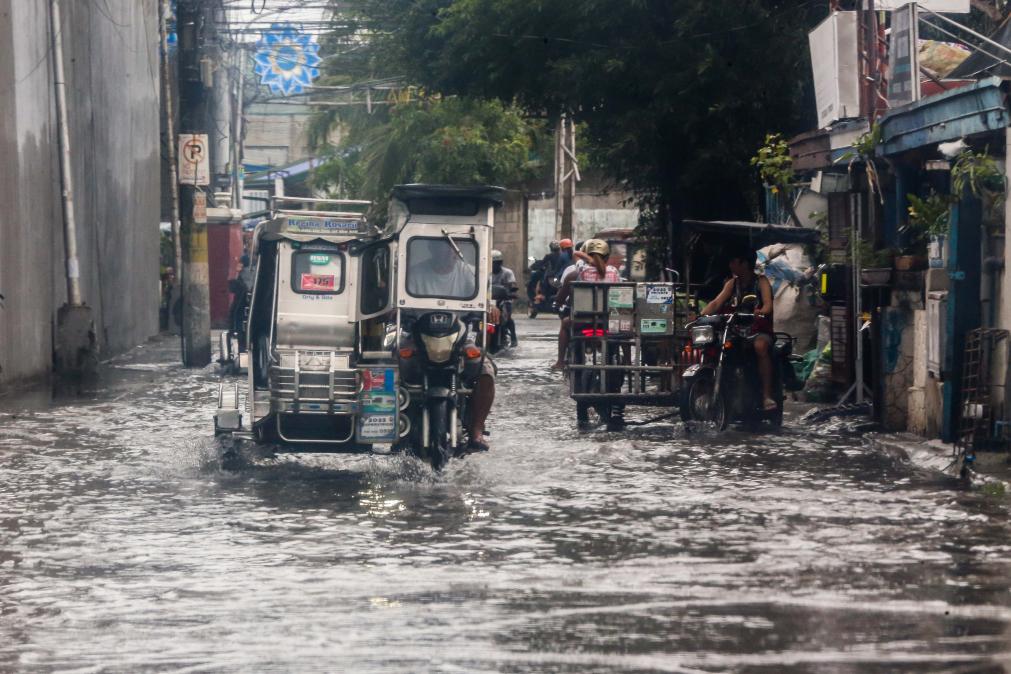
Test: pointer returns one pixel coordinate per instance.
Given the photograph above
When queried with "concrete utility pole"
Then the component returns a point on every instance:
(566, 175)
(76, 353)
(194, 22)
(170, 147)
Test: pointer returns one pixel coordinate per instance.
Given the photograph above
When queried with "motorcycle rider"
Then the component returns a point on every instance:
(743, 282)
(240, 287)
(551, 266)
(504, 276)
(566, 257)
(445, 273)
(594, 268)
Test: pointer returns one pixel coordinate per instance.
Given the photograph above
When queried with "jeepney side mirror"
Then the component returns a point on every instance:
(391, 337)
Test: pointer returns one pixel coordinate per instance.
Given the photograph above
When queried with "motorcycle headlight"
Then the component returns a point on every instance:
(702, 335)
(439, 349)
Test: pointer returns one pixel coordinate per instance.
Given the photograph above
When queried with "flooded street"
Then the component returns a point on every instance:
(124, 546)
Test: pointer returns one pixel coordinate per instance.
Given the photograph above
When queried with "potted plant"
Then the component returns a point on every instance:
(928, 222)
(875, 264)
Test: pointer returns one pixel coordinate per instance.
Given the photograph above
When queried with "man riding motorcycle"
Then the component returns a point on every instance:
(551, 265)
(504, 276)
(743, 282)
(445, 273)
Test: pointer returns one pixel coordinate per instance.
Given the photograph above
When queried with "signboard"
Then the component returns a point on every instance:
(945, 6)
(903, 58)
(620, 297)
(200, 208)
(377, 421)
(659, 294)
(321, 225)
(318, 282)
(653, 326)
(836, 69)
(194, 160)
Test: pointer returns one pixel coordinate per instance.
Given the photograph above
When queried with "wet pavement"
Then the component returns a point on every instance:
(125, 547)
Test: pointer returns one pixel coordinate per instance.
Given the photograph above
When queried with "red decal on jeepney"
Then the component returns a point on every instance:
(324, 282)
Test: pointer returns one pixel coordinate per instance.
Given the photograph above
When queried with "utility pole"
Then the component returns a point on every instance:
(194, 22)
(566, 175)
(76, 352)
(170, 147)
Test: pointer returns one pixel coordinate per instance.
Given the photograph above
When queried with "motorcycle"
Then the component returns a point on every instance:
(549, 287)
(436, 361)
(722, 384)
(496, 337)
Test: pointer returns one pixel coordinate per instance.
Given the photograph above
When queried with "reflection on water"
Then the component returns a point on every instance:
(123, 545)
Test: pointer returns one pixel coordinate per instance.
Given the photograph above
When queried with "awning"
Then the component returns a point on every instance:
(959, 113)
(754, 234)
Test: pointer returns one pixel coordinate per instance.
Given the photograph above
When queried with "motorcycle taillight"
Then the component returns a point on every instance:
(590, 332)
(490, 328)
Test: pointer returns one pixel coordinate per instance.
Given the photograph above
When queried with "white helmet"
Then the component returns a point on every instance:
(496, 256)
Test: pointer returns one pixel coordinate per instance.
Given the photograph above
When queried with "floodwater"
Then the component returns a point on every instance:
(125, 547)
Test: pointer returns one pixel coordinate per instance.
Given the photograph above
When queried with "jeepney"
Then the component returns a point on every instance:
(322, 373)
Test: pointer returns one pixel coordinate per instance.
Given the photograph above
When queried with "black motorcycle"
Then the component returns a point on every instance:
(496, 337)
(436, 361)
(722, 384)
(549, 288)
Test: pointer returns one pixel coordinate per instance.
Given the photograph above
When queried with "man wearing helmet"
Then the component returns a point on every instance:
(551, 266)
(592, 267)
(504, 276)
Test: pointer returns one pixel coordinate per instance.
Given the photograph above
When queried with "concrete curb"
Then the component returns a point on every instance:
(990, 467)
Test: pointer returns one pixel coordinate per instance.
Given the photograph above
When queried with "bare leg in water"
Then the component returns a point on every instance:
(480, 406)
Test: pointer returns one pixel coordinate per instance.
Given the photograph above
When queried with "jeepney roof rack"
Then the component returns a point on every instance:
(489, 193)
(363, 205)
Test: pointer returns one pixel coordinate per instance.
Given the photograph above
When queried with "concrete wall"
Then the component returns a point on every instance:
(276, 135)
(111, 61)
(595, 209)
(508, 235)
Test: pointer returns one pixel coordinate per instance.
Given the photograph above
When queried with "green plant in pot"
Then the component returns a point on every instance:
(875, 263)
(927, 222)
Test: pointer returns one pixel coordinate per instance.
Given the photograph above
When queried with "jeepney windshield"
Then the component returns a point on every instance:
(435, 269)
(317, 272)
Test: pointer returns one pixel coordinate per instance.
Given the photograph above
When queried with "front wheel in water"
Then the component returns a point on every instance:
(439, 450)
(705, 404)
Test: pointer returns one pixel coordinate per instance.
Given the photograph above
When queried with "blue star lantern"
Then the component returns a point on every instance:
(286, 59)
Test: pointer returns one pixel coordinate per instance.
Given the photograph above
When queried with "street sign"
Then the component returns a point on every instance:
(903, 57)
(200, 208)
(194, 159)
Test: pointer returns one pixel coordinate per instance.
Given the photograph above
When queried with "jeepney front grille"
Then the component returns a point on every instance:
(314, 386)
(335, 383)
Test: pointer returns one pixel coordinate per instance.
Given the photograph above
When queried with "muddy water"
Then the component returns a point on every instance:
(124, 547)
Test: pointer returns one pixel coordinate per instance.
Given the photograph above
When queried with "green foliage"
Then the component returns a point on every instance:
(872, 257)
(930, 215)
(864, 151)
(674, 94)
(774, 163)
(866, 145)
(976, 172)
(455, 140)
